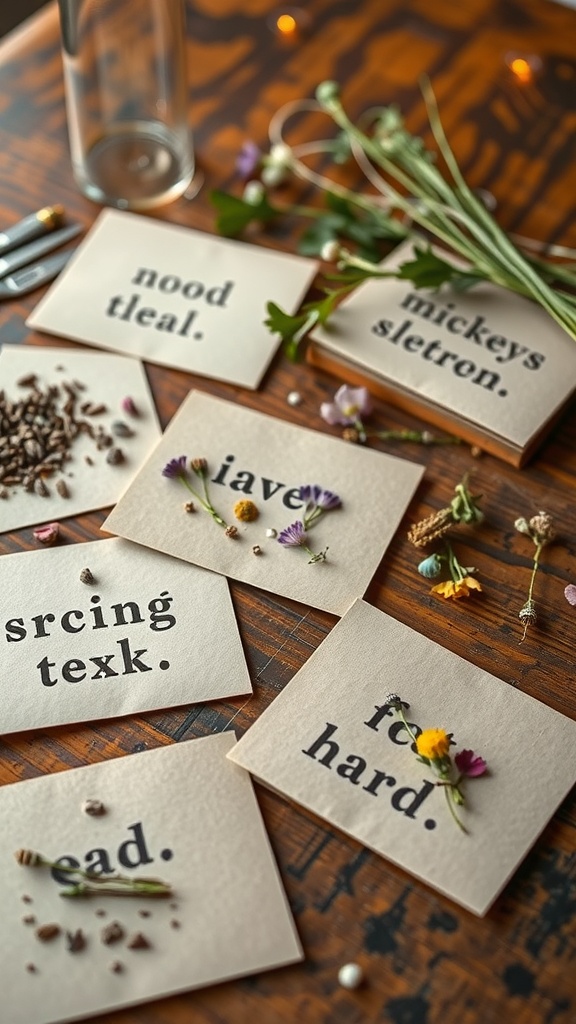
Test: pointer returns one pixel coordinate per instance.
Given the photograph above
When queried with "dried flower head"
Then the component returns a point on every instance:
(540, 528)
(246, 511)
(47, 535)
(177, 469)
(433, 749)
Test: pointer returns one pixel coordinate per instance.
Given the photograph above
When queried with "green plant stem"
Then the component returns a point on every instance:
(535, 565)
(447, 792)
(206, 505)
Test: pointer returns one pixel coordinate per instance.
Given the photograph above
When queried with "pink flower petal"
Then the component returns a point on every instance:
(470, 764)
(331, 413)
(570, 594)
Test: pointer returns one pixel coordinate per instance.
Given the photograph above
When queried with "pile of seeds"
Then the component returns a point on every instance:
(38, 432)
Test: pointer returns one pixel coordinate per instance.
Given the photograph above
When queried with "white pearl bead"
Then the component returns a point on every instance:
(294, 398)
(350, 975)
(271, 532)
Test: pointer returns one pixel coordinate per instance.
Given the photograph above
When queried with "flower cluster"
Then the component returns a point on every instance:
(433, 749)
(410, 194)
(462, 509)
(177, 469)
(350, 408)
(540, 529)
(318, 501)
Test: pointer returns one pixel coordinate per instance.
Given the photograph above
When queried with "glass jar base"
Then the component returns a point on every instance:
(136, 167)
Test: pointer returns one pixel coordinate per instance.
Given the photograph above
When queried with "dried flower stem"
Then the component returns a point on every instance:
(96, 885)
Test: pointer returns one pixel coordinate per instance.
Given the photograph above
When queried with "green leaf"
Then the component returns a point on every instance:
(291, 328)
(427, 270)
(328, 228)
(235, 214)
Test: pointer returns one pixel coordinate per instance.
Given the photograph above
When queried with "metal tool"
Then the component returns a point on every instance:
(30, 227)
(26, 280)
(34, 250)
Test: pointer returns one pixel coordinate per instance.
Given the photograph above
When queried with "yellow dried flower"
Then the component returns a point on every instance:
(433, 744)
(246, 511)
(456, 589)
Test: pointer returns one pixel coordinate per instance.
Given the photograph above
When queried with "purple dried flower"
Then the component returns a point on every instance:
(175, 468)
(248, 159)
(293, 536)
(349, 405)
(470, 764)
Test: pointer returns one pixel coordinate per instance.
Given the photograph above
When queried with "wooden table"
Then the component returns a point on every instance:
(426, 961)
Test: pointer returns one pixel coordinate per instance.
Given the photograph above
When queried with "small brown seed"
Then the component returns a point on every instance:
(29, 919)
(31, 968)
(122, 429)
(40, 488)
(87, 577)
(92, 408)
(47, 932)
(75, 941)
(138, 941)
(116, 967)
(29, 381)
(112, 933)
(62, 488)
(115, 456)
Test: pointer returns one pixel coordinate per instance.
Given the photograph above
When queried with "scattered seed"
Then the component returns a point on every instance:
(47, 932)
(95, 808)
(115, 456)
(31, 968)
(62, 488)
(75, 941)
(189, 506)
(27, 382)
(231, 531)
(3, 492)
(271, 532)
(100, 912)
(27, 899)
(116, 967)
(120, 429)
(47, 535)
(294, 398)
(138, 941)
(174, 923)
(256, 549)
(87, 577)
(88, 460)
(144, 913)
(92, 408)
(29, 919)
(112, 933)
(40, 488)
(128, 405)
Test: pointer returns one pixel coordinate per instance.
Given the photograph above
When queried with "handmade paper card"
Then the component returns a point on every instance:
(174, 296)
(495, 762)
(485, 363)
(180, 824)
(320, 546)
(110, 628)
(75, 427)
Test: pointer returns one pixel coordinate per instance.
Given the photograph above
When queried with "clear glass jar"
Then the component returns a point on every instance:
(127, 100)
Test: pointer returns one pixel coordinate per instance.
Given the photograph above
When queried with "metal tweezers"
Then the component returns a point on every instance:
(15, 281)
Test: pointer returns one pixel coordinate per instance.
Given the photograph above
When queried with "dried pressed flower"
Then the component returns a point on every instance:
(351, 406)
(295, 536)
(456, 588)
(433, 744)
(246, 511)
(433, 749)
(177, 469)
(129, 406)
(540, 528)
(93, 884)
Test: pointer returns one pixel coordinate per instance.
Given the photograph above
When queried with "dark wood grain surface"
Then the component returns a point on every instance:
(426, 960)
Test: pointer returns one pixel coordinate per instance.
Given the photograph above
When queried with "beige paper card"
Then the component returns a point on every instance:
(255, 457)
(101, 383)
(146, 632)
(488, 357)
(330, 742)
(183, 814)
(174, 296)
